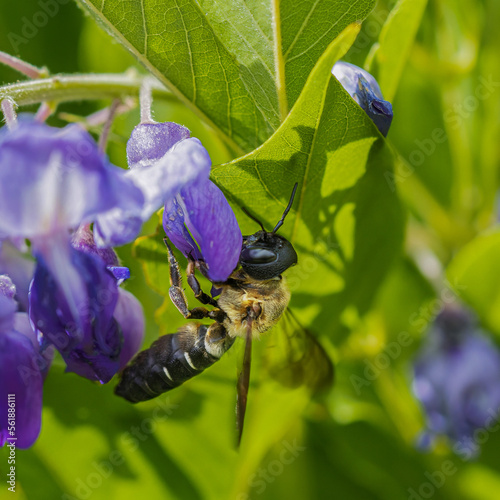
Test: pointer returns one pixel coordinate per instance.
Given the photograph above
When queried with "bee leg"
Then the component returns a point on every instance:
(195, 286)
(178, 297)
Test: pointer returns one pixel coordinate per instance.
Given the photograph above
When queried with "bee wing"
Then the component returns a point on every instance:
(295, 357)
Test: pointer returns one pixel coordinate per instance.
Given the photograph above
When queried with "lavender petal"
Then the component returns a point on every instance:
(213, 225)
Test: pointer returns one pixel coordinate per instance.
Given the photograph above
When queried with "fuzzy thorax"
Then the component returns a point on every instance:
(270, 298)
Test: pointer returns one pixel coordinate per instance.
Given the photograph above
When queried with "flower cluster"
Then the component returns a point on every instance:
(457, 380)
(364, 89)
(60, 287)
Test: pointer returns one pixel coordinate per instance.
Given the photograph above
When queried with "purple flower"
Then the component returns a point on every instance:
(364, 89)
(172, 168)
(162, 159)
(83, 330)
(61, 181)
(83, 240)
(457, 380)
(197, 217)
(92, 332)
(20, 374)
(130, 316)
(205, 212)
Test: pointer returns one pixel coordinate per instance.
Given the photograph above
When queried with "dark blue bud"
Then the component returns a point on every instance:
(364, 89)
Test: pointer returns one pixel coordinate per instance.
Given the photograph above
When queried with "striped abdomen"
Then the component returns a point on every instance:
(173, 359)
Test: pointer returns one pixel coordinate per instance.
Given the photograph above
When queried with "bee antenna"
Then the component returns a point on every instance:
(287, 209)
(253, 218)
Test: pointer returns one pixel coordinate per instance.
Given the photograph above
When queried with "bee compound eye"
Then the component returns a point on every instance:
(258, 255)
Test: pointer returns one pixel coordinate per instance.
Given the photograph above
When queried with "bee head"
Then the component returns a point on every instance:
(266, 255)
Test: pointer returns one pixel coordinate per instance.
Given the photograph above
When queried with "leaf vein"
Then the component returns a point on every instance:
(256, 22)
(229, 97)
(144, 27)
(264, 185)
(191, 65)
(301, 29)
(326, 33)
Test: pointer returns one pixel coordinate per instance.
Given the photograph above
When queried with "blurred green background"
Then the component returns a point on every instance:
(359, 441)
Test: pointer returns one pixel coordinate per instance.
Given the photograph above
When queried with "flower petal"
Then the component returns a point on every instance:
(60, 179)
(185, 163)
(22, 325)
(97, 363)
(87, 335)
(7, 288)
(19, 322)
(19, 268)
(117, 227)
(83, 240)
(20, 375)
(176, 231)
(213, 224)
(150, 141)
(120, 273)
(377, 109)
(58, 297)
(7, 309)
(130, 316)
(8, 305)
(349, 74)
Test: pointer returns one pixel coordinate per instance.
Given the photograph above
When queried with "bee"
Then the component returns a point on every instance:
(250, 302)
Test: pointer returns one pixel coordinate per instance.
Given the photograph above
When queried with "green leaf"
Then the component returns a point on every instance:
(346, 223)
(240, 65)
(406, 287)
(332, 451)
(475, 274)
(151, 251)
(389, 56)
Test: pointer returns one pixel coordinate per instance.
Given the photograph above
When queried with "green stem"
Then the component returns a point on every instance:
(63, 88)
(77, 87)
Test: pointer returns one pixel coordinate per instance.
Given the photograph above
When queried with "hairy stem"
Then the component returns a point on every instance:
(9, 112)
(63, 88)
(23, 67)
